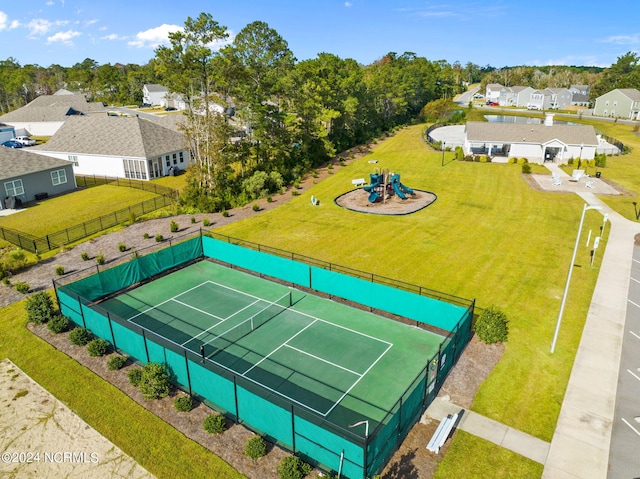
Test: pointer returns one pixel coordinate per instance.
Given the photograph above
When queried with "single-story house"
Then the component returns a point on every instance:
(154, 94)
(44, 115)
(28, 176)
(618, 103)
(118, 146)
(536, 143)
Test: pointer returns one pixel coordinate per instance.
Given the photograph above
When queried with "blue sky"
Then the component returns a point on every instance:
(494, 32)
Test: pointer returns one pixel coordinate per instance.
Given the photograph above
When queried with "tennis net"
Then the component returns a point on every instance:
(242, 329)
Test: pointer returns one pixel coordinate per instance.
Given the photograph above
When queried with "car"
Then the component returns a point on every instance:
(25, 140)
(478, 95)
(12, 144)
(533, 107)
(493, 103)
(170, 108)
(144, 105)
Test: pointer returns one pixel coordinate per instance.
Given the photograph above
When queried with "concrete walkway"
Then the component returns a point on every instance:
(490, 430)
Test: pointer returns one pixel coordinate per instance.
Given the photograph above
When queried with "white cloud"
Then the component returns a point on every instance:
(624, 39)
(348, 4)
(63, 37)
(14, 24)
(3, 20)
(40, 26)
(154, 37)
(113, 36)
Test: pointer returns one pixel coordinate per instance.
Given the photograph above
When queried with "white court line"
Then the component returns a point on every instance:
(198, 310)
(633, 374)
(323, 360)
(635, 334)
(165, 301)
(635, 304)
(628, 424)
(633, 279)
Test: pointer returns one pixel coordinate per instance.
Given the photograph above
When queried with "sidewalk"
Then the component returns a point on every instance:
(490, 430)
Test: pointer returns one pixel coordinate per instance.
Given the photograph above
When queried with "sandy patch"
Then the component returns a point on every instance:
(42, 438)
(358, 200)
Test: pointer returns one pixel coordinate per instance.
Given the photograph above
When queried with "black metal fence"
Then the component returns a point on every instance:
(166, 196)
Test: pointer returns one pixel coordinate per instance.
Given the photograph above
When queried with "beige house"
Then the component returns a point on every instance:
(618, 103)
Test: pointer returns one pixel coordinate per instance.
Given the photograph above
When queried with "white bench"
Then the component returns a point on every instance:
(358, 182)
(442, 433)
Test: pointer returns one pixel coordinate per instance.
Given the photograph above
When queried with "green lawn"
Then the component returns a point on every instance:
(158, 447)
(488, 236)
(56, 214)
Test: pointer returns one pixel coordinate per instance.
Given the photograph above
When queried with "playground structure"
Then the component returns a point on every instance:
(383, 184)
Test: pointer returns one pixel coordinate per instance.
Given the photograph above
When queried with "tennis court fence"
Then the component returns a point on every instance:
(310, 435)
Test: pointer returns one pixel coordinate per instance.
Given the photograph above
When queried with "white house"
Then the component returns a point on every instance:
(154, 94)
(536, 143)
(124, 147)
(515, 96)
(492, 92)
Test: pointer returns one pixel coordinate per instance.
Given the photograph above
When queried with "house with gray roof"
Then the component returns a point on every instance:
(28, 176)
(580, 95)
(118, 146)
(536, 143)
(154, 94)
(46, 114)
(515, 96)
(619, 103)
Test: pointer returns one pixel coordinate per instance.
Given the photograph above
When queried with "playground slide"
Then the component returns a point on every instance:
(374, 182)
(398, 191)
(401, 190)
(373, 196)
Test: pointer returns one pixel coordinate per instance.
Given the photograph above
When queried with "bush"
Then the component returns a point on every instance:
(100, 259)
(85, 256)
(292, 467)
(256, 207)
(6, 281)
(522, 161)
(225, 213)
(294, 193)
(40, 308)
(269, 199)
(97, 347)
(116, 362)
(173, 226)
(512, 161)
(193, 220)
(183, 404)
(154, 383)
(492, 326)
(255, 447)
(122, 247)
(79, 336)
(22, 287)
(159, 238)
(526, 168)
(145, 236)
(58, 324)
(132, 217)
(215, 424)
(135, 376)
(601, 160)
(206, 222)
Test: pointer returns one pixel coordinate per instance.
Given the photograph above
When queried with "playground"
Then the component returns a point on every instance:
(384, 195)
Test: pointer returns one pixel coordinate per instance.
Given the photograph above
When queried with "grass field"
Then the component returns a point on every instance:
(488, 236)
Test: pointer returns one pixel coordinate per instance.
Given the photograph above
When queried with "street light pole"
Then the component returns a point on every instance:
(566, 287)
(444, 143)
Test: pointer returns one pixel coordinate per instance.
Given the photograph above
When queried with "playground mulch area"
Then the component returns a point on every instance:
(358, 200)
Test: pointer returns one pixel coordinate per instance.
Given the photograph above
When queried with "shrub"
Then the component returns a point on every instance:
(159, 238)
(215, 424)
(225, 213)
(193, 220)
(145, 236)
(570, 162)
(292, 467)
(255, 447)
(173, 226)
(492, 326)
(58, 324)
(6, 281)
(206, 222)
(522, 161)
(601, 160)
(85, 256)
(154, 383)
(15, 260)
(295, 193)
(132, 217)
(100, 259)
(135, 376)
(79, 336)
(183, 404)
(22, 287)
(342, 162)
(256, 207)
(526, 168)
(269, 199)
(122, 247)
(512, 161)
(116, 362)
(484, 159)
(97, 347)
(39, 308)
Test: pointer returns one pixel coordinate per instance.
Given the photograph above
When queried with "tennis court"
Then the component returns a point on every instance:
(261, 331)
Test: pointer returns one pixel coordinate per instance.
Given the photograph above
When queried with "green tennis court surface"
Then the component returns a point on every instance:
(337, 361)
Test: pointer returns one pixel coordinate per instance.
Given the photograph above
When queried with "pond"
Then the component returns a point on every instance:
(523, 119)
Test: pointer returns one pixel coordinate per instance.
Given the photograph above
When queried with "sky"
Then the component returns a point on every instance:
(492, 32)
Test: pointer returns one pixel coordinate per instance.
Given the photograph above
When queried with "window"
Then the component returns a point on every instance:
(58, 177)
(181, 157)
(14, 188)
(615, 103)
(135, 169)
(168, 161)
(175, 159)
(73, 159)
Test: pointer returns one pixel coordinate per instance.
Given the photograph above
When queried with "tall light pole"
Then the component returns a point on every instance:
(444, 143)
(566, 287)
